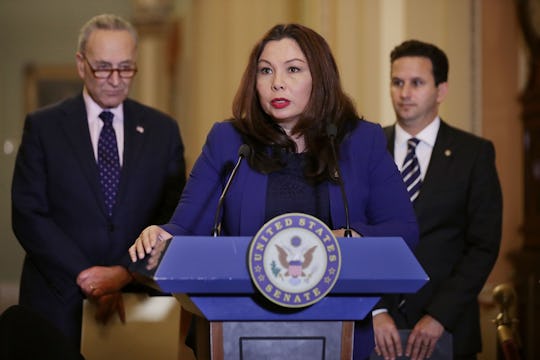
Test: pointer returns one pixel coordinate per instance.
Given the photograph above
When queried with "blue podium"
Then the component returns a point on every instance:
(210, 278)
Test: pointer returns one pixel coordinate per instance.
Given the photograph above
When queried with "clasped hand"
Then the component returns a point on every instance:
(102, 286)
(420, 343)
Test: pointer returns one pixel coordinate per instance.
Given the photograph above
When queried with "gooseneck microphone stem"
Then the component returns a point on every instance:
(243, 152)
(331, 130)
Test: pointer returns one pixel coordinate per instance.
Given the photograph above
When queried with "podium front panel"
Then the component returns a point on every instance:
(284, 340)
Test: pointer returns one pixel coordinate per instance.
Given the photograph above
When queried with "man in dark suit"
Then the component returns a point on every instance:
(458, 207)
(91, 173)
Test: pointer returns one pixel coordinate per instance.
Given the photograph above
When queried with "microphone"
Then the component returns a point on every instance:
(243, 152)
(331, 131)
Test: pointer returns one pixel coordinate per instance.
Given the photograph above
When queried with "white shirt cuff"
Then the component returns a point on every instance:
(378, 311)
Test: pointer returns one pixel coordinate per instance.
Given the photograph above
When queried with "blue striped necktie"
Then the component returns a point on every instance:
(411, 170)
(108, 161)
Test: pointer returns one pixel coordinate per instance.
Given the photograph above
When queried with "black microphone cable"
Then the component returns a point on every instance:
(243, 152)
(331, 131)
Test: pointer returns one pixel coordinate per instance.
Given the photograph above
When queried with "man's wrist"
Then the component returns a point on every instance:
(126, 275)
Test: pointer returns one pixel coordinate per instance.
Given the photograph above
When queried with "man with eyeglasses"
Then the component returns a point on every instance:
(91, 173)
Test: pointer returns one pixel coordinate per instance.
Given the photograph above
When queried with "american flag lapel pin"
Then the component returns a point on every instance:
(140, 129)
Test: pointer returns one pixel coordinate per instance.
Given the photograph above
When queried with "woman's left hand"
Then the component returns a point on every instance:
(147, 241)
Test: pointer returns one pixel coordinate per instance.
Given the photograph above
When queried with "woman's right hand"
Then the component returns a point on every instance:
(147, 241)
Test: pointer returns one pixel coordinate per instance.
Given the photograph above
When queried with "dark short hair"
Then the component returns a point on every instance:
(439, 60)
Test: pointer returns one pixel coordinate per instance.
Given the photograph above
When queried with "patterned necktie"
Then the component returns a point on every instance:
(108, 161)
(411, 170)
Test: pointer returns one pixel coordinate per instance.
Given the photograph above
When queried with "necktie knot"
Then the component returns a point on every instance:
(412, 143)
(107, 117)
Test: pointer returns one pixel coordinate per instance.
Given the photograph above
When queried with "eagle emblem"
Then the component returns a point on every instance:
(295, 258)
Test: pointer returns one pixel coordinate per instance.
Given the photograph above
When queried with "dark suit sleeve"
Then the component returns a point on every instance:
(56, 255)
(482, 236)
(175, 178)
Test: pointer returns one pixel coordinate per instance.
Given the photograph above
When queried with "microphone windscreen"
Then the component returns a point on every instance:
(244, 151)
(331, 130)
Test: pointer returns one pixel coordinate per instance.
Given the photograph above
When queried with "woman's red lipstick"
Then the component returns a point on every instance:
(280, 103)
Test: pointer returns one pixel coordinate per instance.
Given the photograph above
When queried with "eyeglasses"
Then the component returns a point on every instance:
(124, 73)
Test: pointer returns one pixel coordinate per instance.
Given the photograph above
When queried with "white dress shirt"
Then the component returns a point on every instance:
(424, 148)
(95, 124)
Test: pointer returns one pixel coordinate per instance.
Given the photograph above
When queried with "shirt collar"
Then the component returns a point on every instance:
(428, 135)
(93, 109)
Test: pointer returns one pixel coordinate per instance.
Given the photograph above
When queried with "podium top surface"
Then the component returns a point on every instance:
(218, 265)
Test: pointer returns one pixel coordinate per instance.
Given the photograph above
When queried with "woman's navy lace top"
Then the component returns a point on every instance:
(289, 191)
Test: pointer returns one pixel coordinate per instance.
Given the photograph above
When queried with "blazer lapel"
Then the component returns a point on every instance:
(134, 128)
(253, 200)
(390, 132)
(75, 126)
(440, 156)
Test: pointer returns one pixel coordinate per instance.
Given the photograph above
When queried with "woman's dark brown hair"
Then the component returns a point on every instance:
(327, 104)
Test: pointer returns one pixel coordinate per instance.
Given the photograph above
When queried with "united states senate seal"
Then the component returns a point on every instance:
(294, 260)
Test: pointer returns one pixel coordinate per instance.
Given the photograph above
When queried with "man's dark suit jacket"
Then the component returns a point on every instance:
(59, 215)
(459, 211)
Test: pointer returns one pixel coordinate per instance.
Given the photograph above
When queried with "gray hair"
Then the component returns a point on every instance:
(104, 22)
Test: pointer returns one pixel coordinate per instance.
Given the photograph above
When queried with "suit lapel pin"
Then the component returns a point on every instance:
(140, 129)
(447, 152)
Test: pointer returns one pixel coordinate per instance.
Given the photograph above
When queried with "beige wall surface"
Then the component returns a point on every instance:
(501, 85)
(218, 35)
